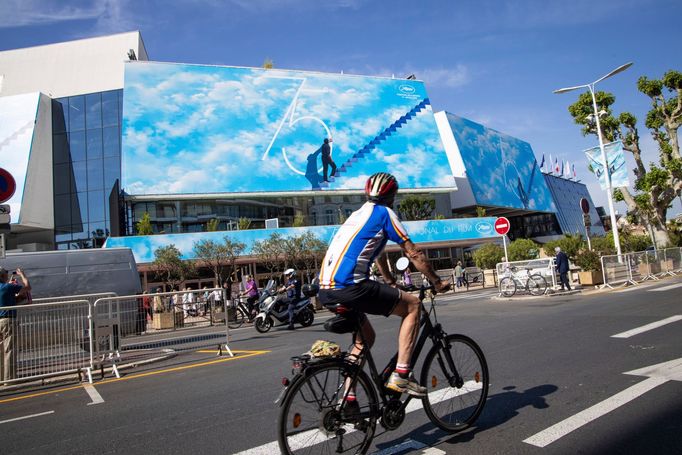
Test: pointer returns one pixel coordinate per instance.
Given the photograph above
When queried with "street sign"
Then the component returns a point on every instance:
(584, 205)
(2, 246)
(587, 221)
(502, 225)
(4, 208)
(7, 185)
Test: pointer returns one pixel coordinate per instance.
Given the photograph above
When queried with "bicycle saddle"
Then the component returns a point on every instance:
(345, 321)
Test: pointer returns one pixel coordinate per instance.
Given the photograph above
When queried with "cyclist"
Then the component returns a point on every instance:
(345, 275)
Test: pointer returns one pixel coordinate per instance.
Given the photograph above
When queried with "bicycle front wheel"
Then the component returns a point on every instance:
(312, 421)
(456, 376)
(507, 287)
(237, 320)
(537, 284)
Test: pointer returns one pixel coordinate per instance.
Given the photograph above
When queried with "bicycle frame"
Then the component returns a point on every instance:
(427, 330)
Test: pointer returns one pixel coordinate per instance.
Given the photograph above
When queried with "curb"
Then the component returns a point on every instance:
(538, 297)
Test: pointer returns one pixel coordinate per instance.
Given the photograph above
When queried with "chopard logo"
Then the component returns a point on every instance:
(408, 89)
(484, 228)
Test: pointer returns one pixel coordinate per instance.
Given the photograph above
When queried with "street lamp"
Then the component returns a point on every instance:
(607, 172)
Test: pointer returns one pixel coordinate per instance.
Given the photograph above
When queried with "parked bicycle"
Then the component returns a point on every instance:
(314, 416)
(534, 283)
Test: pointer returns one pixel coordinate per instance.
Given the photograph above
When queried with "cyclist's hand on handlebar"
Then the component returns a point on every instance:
(442, 286)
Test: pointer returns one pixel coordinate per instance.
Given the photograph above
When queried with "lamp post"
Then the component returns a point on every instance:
(607, 172)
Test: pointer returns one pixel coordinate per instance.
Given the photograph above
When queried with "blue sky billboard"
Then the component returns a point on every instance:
(618, 170)
(501, 169)
(194, 129)
(143, 247)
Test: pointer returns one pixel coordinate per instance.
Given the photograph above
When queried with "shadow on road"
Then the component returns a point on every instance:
(498, 409)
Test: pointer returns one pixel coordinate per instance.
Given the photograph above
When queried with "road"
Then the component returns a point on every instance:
(557, 386)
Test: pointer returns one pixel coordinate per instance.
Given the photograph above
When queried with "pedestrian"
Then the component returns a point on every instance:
(157, 303)
(562, 267)
(147, 305)
(251, 293)
(407, 278)
(327, 159)
(9, 293)
(459, 274)
(218, 299)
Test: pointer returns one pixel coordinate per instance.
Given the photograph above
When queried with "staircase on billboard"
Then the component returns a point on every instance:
(369, 147)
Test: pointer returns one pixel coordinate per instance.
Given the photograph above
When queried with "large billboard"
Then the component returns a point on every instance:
(501, 169)
(143, 247)
(17, 122)
(190, 129)
(618, 170)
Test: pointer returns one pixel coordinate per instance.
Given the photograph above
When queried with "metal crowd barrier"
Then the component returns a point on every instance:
(543, 266)
(69, 298)
(640, 266)
(47, 339)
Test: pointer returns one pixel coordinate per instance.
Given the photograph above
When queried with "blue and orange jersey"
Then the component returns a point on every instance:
(357, 244)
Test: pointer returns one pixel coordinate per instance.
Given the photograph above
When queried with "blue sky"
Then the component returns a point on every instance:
(495, 62)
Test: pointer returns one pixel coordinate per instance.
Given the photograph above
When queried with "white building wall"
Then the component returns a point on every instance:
(70, 68)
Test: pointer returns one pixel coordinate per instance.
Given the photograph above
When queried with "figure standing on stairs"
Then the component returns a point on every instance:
(327, 159)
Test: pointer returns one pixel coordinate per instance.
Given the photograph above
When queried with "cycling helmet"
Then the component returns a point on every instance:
(381, 187)
(288, 272)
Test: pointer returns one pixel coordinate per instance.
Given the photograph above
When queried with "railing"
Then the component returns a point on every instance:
(45, 339)
(545, 267)
(79, 336)
(640, 266)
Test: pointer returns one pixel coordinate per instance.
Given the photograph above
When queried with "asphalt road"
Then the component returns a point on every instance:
(557, 386)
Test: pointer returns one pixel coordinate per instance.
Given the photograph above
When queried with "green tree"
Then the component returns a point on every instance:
(570, 244)
(480, 211)
(243, 223)
(170, 266)
(655, 188)
(314, 250)
(487, 256)
(268, 64)
(415, 207)
(522, 249)
(212, 225)
(299, 220)
(219, 257)
(144, 226)
(269, 252)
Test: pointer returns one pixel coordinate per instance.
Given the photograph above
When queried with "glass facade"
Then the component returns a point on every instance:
(87, 163)
(567, 194)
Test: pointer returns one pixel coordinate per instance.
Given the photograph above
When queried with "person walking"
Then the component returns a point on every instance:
(327, 159)
(9, 293)
(459, 274)
(562, 267)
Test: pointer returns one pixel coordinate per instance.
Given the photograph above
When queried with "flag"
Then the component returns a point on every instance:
(549, 164)
(617, 168)
(575, 176)
(557, 168)
(567, 170)
(542, 163)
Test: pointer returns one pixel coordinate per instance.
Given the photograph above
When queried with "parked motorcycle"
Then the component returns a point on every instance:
(273, 307)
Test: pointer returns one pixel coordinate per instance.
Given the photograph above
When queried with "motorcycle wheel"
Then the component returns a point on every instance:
(306, 318)
(263, 324)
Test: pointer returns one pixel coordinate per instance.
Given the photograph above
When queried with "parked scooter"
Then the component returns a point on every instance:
(274, 307)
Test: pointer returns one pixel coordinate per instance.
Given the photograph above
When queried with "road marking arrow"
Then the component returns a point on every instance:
(657, 374)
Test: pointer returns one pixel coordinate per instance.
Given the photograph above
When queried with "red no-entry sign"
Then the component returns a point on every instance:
(502, 225)
(7, 185)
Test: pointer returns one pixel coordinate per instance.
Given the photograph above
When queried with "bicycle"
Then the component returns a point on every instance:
(314, 416)
(535, 283)
(241, 313)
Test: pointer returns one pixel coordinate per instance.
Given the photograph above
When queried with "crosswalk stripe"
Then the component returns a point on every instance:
(647, 327)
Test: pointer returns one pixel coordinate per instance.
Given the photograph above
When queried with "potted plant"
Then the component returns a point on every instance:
(590, 264)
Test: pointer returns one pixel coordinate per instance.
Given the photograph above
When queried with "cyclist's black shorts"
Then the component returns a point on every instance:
(366, 296)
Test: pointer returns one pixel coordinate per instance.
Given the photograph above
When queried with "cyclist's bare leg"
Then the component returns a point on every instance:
(408, 309)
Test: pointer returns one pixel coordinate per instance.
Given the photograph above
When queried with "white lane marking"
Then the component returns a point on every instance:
(628, 289)
(94, 394)
(409, 444)
(647, 327)
(576, 421)
(666, 288)
(432, 451)
(26, 417)
(656, 375)
(413, 405)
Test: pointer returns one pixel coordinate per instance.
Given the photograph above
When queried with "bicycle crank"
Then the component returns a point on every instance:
(393, 414)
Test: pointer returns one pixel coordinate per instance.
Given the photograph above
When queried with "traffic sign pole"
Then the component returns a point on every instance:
(504, 242)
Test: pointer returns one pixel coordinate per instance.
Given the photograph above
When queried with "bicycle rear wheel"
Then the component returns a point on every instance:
(507, 286)
(456, 377)
(537, 284)
(311, 421)
(238, 319)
